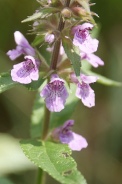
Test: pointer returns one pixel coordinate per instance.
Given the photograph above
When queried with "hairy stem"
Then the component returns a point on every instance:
(57, 44)
(41, 174)
(46, 123)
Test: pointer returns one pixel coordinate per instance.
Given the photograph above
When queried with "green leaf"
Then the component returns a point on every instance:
(55, 159)
(103, 80)
(34, 85)
(38, 40)
(5, 181)
(6, 82)
(37, 117)
(71, 52)
(43, 13)
(57, 118)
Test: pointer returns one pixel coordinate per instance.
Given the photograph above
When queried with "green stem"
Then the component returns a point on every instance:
(46, 123)
(41, 174)
(56, 49)
(57, 44)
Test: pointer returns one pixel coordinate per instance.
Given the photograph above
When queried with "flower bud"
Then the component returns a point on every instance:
(49, 38)
(66, 13)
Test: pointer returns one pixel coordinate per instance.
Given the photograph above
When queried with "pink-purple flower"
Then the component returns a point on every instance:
(23, 47)
(55, 94)
(25, 71)
(87, 45)
(94, 60)
(84, 91)
(65, 135)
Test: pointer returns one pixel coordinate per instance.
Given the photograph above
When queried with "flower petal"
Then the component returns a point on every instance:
(78, 142)
(86, 94)
(88, 79)
(15, 53)
(94, 60)
(26, 71)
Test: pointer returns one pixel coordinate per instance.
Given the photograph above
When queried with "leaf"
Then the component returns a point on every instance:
(37, 117)
(43, 13)
(34, 85)
(6, 82)
(104, 80)
(38, 40)
(55, 159)
(57, 118)
(71, 53)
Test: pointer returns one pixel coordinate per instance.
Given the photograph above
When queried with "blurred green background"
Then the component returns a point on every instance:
(101, 162)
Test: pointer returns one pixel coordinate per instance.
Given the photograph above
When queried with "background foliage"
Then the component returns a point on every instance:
(101, 162)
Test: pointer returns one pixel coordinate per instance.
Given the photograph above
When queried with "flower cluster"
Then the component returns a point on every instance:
(55, 92)
(27, 70)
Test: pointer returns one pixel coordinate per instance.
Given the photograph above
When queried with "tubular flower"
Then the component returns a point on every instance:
(55, 94)
(83, 40)
(23, 47)
(25, 71)
(86, 44)
(84, 91)
(66, 136)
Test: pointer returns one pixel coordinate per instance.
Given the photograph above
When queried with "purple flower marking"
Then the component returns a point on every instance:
(23, 47)
(55, 94)
(66, 136)
(84, 91)
(25, 71)
(82, 38)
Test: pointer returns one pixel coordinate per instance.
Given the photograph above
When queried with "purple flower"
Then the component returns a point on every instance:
(25, 71)
(82, 38)
(55, 94)
(23, 47)
(66, 136)
(84, 91)
(86, 44)
(94, 60)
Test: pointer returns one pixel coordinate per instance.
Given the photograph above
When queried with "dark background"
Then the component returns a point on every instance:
(101, 162)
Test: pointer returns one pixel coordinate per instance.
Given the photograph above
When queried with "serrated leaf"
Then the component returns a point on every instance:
(57, 118)
(55, 159)
(104, 80)
(71, 53)
(6, 82)
(43, 13)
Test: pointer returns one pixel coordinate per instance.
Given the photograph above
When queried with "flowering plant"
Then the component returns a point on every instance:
(64, 28)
